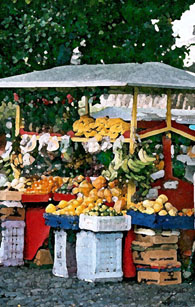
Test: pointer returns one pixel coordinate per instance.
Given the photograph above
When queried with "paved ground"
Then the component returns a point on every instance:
(34, 287)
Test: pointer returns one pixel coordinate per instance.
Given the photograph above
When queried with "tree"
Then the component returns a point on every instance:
(37, 35)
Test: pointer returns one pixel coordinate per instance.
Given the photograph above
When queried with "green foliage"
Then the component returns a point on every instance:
(2, 130)
(47, 110)
(57, 114)
(36, 35)
(105, 157)
(178, 169)
(7, 110)
(180, 140)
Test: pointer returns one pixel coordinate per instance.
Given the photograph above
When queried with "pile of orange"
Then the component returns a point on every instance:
(45, 185)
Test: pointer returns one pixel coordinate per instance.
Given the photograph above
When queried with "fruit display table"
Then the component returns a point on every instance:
(62, 221)
(161, 222)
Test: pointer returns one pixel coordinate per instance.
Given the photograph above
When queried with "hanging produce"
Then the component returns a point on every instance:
(136, 168)
(100, 127)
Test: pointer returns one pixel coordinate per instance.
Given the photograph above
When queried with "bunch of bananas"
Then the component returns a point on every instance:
(134, 166)
(6, 168)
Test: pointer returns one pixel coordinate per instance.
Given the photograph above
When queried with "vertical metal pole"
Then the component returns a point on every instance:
(168, 115)
(17, 123)
(131, 186)
(86, 105)
(133, 126)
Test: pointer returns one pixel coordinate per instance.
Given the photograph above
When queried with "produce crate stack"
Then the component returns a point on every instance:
(12, 211)
(99, 250)
(12, 215)
(12, 245)
(155, 256)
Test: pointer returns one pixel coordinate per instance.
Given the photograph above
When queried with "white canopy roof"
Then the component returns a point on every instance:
(151, 74)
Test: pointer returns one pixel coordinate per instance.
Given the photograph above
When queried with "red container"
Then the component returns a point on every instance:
(61, 196)
(109, 204)
(22, 131)
(36, 198)
(129, 269)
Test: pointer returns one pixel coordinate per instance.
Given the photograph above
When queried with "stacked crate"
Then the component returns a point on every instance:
(12, 245)
(99, 256)
(12, 216)
(99, 247)
(155, 256)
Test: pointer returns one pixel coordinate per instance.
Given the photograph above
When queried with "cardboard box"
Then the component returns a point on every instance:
(164, 257)
(43, 257)
(144, 246)
(157, 239)
(12, 213)
(10, 195)
(170, 277)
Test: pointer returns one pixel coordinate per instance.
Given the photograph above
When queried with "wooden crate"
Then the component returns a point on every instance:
(12, 213)
(157, 239)
(10, 195)
(163, 257)
(169, 277)
(144, 246)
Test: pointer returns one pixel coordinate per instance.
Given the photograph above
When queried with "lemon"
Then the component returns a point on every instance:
(50, 208)
(71, 212)
(78, 210)
(63, 211)
(75, 203)
(90, 206)
(56, 212)
(62, 204)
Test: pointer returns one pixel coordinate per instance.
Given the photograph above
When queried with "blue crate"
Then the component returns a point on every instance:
(62, 221)
(143, 219)
(176, 222)
(161, 222)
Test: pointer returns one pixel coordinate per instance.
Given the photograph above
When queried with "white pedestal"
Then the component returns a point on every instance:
(99, 256)
(60, 267)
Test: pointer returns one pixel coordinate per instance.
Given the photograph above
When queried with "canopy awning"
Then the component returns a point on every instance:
(150, 75)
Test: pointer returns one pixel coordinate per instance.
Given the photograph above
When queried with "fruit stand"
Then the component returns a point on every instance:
(123, 185)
